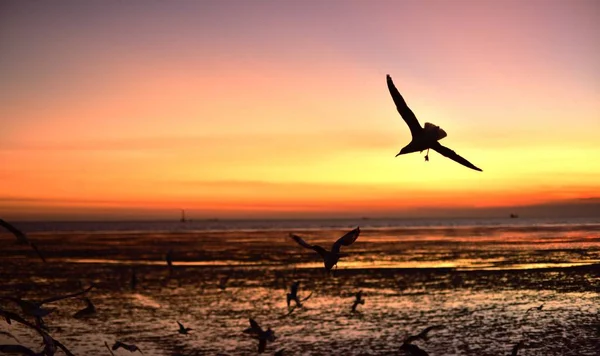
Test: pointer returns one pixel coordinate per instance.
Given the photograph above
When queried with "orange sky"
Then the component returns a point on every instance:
(246, 108)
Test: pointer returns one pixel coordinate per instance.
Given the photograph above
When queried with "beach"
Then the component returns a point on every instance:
(480, 279)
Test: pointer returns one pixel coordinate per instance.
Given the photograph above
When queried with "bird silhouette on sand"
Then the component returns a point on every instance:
(423, 138)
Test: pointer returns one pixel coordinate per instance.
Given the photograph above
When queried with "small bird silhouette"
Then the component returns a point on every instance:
(128, 347)
(183, 329)
(515, 349)
(413, 350)
(423, 138)
(293, 295)
(263, 336)
(535, 308)
(330, 258)
(357, 300)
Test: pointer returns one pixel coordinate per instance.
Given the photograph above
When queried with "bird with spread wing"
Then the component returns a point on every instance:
(330, 258)
(423, 138)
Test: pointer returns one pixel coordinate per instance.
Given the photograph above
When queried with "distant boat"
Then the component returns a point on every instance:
(182, 216)
(514, 216)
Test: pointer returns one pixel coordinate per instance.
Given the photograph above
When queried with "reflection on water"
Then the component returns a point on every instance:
(478, 282)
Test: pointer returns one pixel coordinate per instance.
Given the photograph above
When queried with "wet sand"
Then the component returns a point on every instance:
(478, 282)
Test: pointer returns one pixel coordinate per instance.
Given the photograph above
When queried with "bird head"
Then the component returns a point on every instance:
(402, 152)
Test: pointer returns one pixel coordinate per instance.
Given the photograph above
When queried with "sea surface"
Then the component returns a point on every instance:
(479, 278)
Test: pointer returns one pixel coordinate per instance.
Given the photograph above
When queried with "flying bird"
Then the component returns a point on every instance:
(183, 329)
(128, 347)
(293, 295)
(89, 310)
(357, 300)
(330, 258)
(536, 308)
(423, 138)
(263, 336)
(21, 238)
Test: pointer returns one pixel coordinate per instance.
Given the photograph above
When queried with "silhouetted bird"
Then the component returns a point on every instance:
(169, 259)
(263, 336)
(293, 295)
(536, 308)
(330, 258)
(515, 349)
(223, 282)
(89, 310)
(21, 238)
(34, 308)
(128, 347)
(357, 300)
(182, 329)
(423, 138)
(413, 350)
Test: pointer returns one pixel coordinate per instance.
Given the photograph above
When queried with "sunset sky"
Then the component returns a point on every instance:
(280, 108)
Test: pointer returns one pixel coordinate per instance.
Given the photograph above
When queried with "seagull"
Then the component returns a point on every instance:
(128, 347)
(423, 138)
(21, 238)
(423, 334)
(330, 258)
(89, 310)
(183, 329)
(293, 295)
(358, 300)
(34, 308)
(263, 336)
(536, 308)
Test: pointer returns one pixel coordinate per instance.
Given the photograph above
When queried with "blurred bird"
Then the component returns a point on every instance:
(536, 308)
(128, 347)
(108, 348)
(263, 336)
(423, 138)
(279, 352)
(182, 329)
(330, 258)
(19, 349)
(34, 308)
(293, 295)
(21, 238)
(89, 310)
(358, 300)
(134, 280)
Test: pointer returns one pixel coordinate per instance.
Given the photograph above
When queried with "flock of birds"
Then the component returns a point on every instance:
(423, 138)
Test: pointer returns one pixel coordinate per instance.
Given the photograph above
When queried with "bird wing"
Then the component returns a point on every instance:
(21, 238)
(423, 334)
(407, 114)
(301, 242)
(515, 350)
(181, 327)
(307, 298)
(445, 151)
(60, 297)
(255, 327)
(288, 299)
(294, 288)
(346, 240)
(262, 344)
(34, 247)
(108, 348)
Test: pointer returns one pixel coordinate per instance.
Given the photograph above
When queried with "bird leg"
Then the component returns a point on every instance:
(427, 156)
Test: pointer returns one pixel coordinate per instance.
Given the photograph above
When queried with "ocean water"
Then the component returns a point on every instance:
(476, 277)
